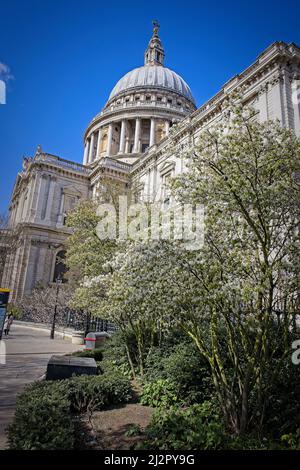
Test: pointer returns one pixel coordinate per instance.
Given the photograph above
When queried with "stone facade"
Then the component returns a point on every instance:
(127, 141)
(46, 188)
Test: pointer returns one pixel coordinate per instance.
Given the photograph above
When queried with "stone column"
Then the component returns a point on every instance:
(152, 133)
(91, 149)
(99, 143)
(109, 139)
(86, 152)
(128, 136)
(137, 135)
(122, 137)
(167, 128)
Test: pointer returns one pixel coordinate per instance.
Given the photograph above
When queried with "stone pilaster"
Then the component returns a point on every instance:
(60, 218)
(50, 199)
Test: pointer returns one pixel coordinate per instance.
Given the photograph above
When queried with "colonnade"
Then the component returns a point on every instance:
(93, 152)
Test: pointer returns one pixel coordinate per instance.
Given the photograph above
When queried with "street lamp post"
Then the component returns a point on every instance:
(87, 324)
(58, 283)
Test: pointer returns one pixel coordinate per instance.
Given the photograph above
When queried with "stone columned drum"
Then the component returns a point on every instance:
(140, 110)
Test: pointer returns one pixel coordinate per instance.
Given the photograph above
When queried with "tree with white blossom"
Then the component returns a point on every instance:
(231, 295)
(247, 176)
(238, 296)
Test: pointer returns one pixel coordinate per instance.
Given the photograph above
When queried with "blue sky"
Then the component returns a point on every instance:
(65, 56)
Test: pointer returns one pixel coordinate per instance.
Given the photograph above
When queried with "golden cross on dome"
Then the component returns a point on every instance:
(155, 27)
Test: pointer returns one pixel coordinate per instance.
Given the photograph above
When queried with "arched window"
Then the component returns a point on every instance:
(60, 268)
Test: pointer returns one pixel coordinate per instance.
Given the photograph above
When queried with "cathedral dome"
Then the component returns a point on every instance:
(142, 107)
(156, 76)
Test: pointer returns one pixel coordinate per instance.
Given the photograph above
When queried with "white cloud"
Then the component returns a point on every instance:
(5, 73)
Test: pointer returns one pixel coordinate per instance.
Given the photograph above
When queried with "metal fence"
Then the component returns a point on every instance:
(85, 322)
(68, 318)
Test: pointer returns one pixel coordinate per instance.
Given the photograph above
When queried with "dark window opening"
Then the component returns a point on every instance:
(166, 202)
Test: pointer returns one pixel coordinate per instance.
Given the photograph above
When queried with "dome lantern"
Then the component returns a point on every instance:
(155, 53)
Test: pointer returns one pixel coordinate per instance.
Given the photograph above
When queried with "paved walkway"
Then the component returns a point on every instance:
(27, 354)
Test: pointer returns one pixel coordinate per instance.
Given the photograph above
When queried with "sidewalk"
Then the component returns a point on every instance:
(27, 353)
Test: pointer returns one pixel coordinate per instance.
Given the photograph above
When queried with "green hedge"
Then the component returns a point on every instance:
(90, 393)
(96, 354)
(44, 411)
(42, 419)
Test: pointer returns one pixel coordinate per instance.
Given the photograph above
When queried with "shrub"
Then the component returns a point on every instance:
(42, 420)
(161, 393)
(89, 393)
(96, 354)
(115, 356)
(292, 440)
(183, 365)
(282, 408)
(249, 442)
(198, 427)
